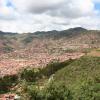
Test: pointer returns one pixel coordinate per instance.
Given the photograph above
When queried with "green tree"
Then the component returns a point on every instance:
(57, 91)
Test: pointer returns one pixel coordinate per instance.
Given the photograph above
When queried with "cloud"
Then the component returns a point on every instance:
(37, 15)
(37, 6)
(66, 8)
(7, 12)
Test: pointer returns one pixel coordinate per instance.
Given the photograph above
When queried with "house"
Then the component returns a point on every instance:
(9, 97)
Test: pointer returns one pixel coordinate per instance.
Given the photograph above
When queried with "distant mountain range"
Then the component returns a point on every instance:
(76, 29)
(50, 41)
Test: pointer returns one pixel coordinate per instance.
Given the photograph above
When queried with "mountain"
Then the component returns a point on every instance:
(39, 48)
(51, 41)
(78, 29)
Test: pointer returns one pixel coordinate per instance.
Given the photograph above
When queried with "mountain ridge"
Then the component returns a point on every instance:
(70, 29)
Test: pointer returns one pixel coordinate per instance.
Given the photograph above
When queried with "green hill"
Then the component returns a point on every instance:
(76, 80)
(82, 77)
(81, 69)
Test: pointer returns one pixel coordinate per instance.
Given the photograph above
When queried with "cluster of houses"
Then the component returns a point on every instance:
(9, 97)
(12, 66)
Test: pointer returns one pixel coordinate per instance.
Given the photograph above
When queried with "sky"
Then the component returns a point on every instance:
(44, 15)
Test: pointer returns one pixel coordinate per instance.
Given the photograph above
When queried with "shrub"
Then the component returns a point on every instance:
(58, 91)
(51, 92)
(7, 82)
(30, 75)
(28, 39)
(54, 66)
(7, 49)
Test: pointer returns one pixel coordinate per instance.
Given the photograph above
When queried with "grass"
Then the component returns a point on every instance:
(82, 69)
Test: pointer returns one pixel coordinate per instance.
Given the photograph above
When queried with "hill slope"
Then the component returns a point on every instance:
(85, 68)
(39, 48)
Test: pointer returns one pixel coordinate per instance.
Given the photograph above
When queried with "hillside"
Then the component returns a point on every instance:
(39, 48)
(52, 41)
(85, 68)
(69, 80)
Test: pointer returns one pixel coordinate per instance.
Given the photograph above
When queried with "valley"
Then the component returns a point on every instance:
(52, 65)
(38, 49)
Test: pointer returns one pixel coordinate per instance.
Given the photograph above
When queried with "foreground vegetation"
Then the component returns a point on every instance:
(70, 80)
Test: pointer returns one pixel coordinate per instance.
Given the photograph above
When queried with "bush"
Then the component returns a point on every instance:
(86, 92)
(7, 49)
(54, 66)
(28, 39)
(7, 82)
(51, 92)
(30, 75)
(57, 92)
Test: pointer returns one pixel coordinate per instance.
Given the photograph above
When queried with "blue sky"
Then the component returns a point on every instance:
(9, 3)
(37, 15)
(97, 6)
